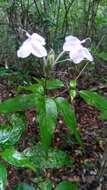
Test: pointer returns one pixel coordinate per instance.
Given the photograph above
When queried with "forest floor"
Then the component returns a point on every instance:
(88, 159)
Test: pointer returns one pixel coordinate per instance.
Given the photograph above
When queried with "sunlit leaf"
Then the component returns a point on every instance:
(16, 158)
(53, 159)
(10, 134)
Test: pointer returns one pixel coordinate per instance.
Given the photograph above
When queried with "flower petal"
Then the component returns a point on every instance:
(38, 50)
(87, 54)
(72, 39)
(71, 47)
(37, 38)
(77, 51)
(71, 43)
(25, 49)
(77, 56)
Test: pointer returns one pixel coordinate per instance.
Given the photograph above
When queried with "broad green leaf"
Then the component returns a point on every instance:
(23, 186)
(10, 134)
(34, 88)
(69, 116)
(54, 84)
(3, 177)
(19, 103)
(50, 84)
(94, 99)
(103, 115)
(53, 159)
(16, 158)
(102, 55)
(47, 115)
(45, 185)
(66, 185)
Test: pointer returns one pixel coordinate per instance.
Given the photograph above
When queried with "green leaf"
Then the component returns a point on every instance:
(47, 115)
(66, 185)
(23, 186)
(69, 116)
(102, 55)
(10, 134)
(45, 185)
(3, 177)
(101, 20)
(51, 84)
(54, 84)
(4, 72)
(94, 99)
(16, 158)
(103, 115)
(34, 88)
(53, 159)
(19, 103)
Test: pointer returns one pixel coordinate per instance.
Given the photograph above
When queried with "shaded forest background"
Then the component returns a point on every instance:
(53, 19)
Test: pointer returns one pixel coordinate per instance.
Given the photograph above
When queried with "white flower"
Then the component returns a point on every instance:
(76, 51)
(32, 45)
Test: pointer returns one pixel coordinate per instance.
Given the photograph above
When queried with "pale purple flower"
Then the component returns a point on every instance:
(76, 50)
(34, 44)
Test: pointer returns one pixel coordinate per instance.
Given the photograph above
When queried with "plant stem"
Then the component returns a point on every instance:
(45, 61)
(63, 60)
(81, 71)
(59, 57)
(45, 74)
(44, 69)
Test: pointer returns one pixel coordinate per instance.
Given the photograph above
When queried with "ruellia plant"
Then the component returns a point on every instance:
(47, 105)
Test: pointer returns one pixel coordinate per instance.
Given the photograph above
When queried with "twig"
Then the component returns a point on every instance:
(59, 57)
(81, 71)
